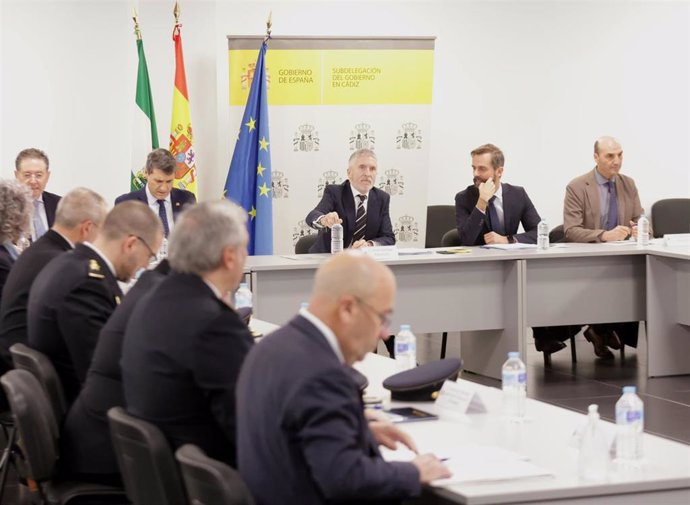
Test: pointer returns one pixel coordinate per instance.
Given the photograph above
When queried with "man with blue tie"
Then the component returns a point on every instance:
(159, 193)
(490, 211)
(602, 206)
(32, 169)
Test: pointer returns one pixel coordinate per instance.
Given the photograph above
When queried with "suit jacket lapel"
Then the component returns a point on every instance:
(592, 194)
(508, 209)
(373, 206)
(621, 201)
(175, 202)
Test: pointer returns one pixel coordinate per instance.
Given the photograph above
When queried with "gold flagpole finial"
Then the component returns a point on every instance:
(135, 17)
(269, 24)
(176, 12)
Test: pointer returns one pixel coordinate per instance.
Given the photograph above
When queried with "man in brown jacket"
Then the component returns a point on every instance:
(602, 206)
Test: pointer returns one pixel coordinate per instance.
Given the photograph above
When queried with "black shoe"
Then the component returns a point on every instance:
(549, 346)
(597, 341)
(612, 340)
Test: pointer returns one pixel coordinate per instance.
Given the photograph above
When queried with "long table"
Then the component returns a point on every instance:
(493, 297)
(544, 440)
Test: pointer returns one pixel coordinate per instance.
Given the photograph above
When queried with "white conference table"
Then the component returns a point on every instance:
(544, 440)
(493, 297)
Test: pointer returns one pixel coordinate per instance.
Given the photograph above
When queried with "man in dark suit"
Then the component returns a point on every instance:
(75, 294)
(79, 217)
(362, 209)
(86, 451)
(167, 202)
(32, 168)
(179, 371)
(302, 433)
(489, 211)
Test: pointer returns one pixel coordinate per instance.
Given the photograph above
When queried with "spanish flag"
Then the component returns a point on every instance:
(181, 137)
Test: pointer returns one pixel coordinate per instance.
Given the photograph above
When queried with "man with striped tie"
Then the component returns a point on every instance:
(362, 209)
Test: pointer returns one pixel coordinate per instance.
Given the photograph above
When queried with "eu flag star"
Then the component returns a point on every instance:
(263, 190)
(252, 213)
(251, 124)
(260, 170)
(263, 144)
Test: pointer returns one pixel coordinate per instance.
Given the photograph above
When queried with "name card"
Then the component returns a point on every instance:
(459, 398)
(382, 252)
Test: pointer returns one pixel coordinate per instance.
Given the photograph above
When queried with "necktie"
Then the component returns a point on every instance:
(360, 220)
(494, 221)
(164, 217)
(39, 227)
(612, 218)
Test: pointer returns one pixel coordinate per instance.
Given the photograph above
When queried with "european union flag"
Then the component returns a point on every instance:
(249, 178)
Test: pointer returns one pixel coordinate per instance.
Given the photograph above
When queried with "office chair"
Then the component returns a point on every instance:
(671, 215)
(304, 243)
(209, 481)
(451, 238)
(40, 366)
(146, 461)
(35, 423)
(439, 219)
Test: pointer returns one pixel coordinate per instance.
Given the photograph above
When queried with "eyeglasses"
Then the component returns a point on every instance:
(384, 318)
(152, 255)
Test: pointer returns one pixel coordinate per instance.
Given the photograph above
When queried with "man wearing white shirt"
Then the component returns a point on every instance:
(361, 208)
(167, 202)
(74, 295)
(32, 169)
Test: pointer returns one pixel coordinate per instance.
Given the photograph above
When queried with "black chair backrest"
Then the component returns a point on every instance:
(304, 243)
(26, 358)
(451, 238)
(557, 235)
(439, 219)
(35, 421)
(146, 461)
(209, 481)
(671, 215)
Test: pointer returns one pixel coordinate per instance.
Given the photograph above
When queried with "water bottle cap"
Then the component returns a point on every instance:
(304, 305)
(513, 354)
(243, 285)
(629, 389)
(404, 327)
(593, 409)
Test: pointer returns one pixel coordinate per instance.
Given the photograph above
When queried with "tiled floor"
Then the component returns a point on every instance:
(591, 380)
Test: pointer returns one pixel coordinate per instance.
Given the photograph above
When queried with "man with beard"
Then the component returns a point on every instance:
(489, 211)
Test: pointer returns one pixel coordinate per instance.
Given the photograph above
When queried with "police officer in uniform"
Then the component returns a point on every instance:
(74, 295)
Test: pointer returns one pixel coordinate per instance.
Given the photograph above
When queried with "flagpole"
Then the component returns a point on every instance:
(135, 17)
(269, 25)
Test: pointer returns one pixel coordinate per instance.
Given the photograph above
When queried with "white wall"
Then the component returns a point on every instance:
(540, 79)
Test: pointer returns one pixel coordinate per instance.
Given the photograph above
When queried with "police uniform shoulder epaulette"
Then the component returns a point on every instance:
(95, 270)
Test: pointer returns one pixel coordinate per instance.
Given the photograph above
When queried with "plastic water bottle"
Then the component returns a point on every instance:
(405, 348)
(336, 238)
(593, 457)
(630, 426)
(514, 385)
(163, 251)
(543, 236)
(243, 297)
(643, 231)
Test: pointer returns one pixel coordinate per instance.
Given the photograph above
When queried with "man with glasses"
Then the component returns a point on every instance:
(302, 433)
(74, 295)
(32, 169)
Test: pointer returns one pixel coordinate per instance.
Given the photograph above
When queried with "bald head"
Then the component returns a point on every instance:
(608, 155)
(354, 296)
(350, 273)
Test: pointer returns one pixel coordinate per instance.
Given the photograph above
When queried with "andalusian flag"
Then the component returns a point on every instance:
(144, 130)
(181, 127)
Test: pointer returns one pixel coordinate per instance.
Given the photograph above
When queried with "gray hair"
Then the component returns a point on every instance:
(79, 205)
(16, 209)
(361, 152)
(201, 234)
